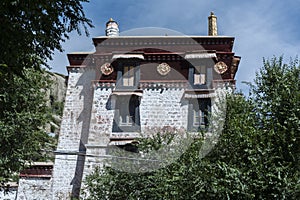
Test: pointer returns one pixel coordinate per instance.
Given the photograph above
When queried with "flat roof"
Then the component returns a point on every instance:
(82, 52)
(167, 36)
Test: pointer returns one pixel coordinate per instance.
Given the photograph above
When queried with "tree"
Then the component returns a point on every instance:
(276, 95)
(190, 177)
(257, 155)
(30, 31)
(24, 113)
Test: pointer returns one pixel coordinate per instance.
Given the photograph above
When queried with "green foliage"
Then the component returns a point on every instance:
(30, 31)
(276, 95)
(22, 118)
(257, 155)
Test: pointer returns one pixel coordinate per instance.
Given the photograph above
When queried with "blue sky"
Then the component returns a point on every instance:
(262, 28)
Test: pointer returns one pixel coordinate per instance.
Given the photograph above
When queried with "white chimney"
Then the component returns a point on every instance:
(112, 28)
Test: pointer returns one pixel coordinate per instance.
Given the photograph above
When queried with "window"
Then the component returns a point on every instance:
(198, 114)
(127, 114)
(199, 75)
(129, 147)
(198, 118)
(128, 75)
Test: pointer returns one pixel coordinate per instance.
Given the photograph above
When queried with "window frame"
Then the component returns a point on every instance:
(208, 74)
(127, 101)
(120, 74)
(201, 71)
(202, 105)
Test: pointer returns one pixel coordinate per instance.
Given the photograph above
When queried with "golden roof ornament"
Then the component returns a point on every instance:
(212, 25)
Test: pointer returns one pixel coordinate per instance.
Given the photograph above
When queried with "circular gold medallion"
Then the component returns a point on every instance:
(163, 69)
(220, 67)
(106, 69)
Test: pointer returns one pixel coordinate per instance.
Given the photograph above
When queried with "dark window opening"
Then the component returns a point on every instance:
(127, 114)
(129, 147)
(198, 116)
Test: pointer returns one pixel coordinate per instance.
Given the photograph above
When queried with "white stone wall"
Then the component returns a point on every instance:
(160, 108)
(10, 195)
(71, 126)
(34, 189)
(100, 129)
(101, 118)
(73, 133)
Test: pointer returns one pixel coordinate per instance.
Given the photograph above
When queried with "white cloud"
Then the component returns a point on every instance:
(259, 33)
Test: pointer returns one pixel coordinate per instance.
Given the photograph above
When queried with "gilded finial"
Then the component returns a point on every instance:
(212, 24)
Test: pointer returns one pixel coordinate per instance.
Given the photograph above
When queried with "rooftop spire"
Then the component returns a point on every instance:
(212, 25)
(112, 28)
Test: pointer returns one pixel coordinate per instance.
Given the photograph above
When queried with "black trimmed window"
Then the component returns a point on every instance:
(201, 75)
(128, 78)
(128, 75)
(127, 114)
(198, 116)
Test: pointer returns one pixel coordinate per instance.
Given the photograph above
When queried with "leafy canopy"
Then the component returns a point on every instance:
(30, 31)
(24, 113)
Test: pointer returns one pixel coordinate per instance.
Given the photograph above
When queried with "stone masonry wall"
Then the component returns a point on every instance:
(9, 195)
(68, 165)
(163, 107)
(158, 108)
(102, 117)
(34, 188)
(100, 129)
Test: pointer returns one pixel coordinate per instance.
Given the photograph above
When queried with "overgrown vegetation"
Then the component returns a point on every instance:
(24, 114)
(257, 155)
(30, 32)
